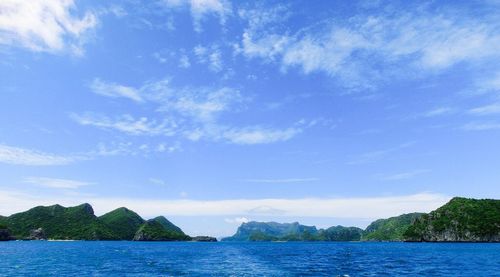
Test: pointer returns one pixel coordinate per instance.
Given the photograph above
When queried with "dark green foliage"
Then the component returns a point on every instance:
(123, 222)
(461, 219)
(340, 233)
(59, 222)
(153, 230)
(3, 222)
(168, 225)
(390, 229)
(80, 223)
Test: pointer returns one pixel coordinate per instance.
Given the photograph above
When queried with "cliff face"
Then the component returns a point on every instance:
(460, 220)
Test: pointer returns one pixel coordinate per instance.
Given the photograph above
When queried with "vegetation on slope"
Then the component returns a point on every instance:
(390, 229)
(59, 222)
(168, 225)
(461, 219)
(123, 222)
(340, 233)
(153, 230)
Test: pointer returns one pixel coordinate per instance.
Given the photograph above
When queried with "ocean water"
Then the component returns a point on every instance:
(80, 258)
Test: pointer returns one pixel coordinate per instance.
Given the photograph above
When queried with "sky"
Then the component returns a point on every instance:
(214, 113)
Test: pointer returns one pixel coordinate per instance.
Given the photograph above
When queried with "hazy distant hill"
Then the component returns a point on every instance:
(273, 231)
(461, 219)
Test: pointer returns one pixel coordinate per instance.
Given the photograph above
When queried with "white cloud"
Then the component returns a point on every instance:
(486, 110)
(481, 126)
(56, 183)
(44, 25)
(237, 220)
(188, 112)
(115, 90)
(286, 180)
(211, 56)
(22, 156)
(127, 124)
(355, 208)
(258, 135)
(201, 8)
(184, 62)
(364, 50)
(439, 112)
(157, 181)
(404, 175)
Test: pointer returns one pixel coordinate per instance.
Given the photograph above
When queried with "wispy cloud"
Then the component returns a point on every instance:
(481, 126)
(373, 156)
(56, 183)
(115, 90)
(127, 124)
(258, 135)
(210, 56)
(440, 111)
(23, 156)
(285, 180)
(44, 25)
(201, 8)
(157, 181)
(490, 109)
(404, 175)
(191, 113)
(354, 49)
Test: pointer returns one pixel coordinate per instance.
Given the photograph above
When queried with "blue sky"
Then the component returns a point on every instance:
(214, 112)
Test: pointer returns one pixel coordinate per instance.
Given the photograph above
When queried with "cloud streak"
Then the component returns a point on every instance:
(281, 181)
(22, 156)
(56, 183)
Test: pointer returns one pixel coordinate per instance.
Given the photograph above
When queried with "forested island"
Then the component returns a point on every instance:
(80, 223)
(459, 220)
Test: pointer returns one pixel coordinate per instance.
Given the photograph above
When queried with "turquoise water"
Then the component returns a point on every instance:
(42, 258)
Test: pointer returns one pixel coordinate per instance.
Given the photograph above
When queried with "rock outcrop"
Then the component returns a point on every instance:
(204, 239)
(5, 235)
(37, 234)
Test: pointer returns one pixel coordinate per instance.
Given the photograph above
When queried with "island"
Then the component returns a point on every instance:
(80, 223)
(459, 220)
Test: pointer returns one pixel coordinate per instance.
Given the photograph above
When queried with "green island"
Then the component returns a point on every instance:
(80, 223)
(459, 220)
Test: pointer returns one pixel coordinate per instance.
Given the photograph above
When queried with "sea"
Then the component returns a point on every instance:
(123, 258)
